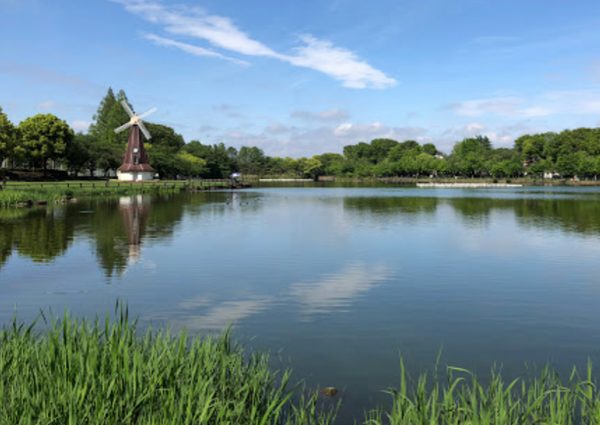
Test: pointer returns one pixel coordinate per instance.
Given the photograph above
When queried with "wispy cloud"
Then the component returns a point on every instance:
(313, 53)
(46, 104)
(339, 63)
(321, 116)
(191, 49)
(80, 125)
(46, 76)
(479, 107)
(542, 105)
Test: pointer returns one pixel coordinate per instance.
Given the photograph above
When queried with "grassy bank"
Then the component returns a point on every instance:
(107, 373)
(29, 193)
(460, 398)
(104, 373)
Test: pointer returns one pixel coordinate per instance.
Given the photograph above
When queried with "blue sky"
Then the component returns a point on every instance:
(303, 77)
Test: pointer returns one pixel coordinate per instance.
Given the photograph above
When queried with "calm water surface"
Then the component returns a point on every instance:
(337, 283)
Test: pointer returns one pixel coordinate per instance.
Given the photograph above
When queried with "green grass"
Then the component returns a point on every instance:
(105, 373)
(462, 399)
(23, 193)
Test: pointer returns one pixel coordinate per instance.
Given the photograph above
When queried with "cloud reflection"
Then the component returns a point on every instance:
(226, 313)
(333, 293)
(338, 291)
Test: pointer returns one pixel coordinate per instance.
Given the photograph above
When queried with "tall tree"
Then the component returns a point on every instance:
(44, 137)
(108, 145)
(82, 153)
(251, 160)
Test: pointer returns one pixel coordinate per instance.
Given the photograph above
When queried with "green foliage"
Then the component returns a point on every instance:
(311, 167)
(191, 165)
(107, 147)
(220, 160)
(81, 153)
(44, 137)
(251, 160)
(104, 373)
(8, 137)
(109, 116)
(165, 138)
(461, 398)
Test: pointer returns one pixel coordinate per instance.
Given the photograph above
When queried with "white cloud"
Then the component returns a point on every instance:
(322, 116)
(479, 107)
(500, 136)
(320, 55)
(580, 102)
(47, 104)
(190, 48)
(80, 125)
(339, 63)
(301, 141)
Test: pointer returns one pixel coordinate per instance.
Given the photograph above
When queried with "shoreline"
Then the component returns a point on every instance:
(19, 194)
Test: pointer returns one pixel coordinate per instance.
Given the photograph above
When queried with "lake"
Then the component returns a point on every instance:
(336, 283)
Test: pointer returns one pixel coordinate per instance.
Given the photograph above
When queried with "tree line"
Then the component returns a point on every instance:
(44, 140)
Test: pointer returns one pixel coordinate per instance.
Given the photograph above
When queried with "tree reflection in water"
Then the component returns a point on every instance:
(119, 227)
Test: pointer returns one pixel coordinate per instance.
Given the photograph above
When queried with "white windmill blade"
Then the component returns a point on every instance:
(127, 108)
(148, 112)
(123, 127)
(144, 130)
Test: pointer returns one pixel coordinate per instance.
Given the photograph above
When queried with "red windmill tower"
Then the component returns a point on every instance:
(136, 165)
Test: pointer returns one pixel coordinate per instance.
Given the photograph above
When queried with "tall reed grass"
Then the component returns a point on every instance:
(106, 372)
(461, 398)
(79, 372)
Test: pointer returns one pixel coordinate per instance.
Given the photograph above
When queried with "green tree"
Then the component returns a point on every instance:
(190, 165)
(80, 154)
(469, 157)
(44, 137)
(108, 146)
(409, 147)
(251, 160)
(311, 167)
(165, 137)
(380, 149)
(566, 164)
(220, 160)
(333, 163)
(8, 137)
(430, 149)
(109, 116)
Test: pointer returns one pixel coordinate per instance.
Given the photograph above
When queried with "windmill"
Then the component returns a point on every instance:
(135, 166)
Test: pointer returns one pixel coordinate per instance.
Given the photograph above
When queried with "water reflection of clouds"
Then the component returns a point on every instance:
(338, 291)
(224, 314)
(333, 293)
